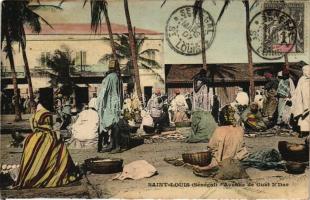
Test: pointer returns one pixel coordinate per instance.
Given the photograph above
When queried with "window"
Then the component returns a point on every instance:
(43, 60)
(80, 58)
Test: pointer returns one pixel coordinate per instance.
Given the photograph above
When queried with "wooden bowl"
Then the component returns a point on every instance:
(198, 158)
(104, 165)
(293, 152)
(183, 124)
(295, 167)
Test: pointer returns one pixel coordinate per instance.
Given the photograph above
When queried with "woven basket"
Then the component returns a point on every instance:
(198, 158)
(183, 124)
(148, 129)
(104, 165)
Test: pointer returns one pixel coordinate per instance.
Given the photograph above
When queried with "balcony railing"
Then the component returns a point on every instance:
(10, 74)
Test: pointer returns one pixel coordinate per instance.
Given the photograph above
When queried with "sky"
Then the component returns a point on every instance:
(229, 44)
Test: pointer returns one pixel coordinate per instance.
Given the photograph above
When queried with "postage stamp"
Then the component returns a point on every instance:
(296, 10)
(183, 31)
(272, 34)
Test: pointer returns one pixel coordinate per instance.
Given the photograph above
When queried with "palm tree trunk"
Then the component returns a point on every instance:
(133, 50)
(16, 100)
(28, 76)
(249, 50)
(203, 42)
(286, 61)
(107, 19)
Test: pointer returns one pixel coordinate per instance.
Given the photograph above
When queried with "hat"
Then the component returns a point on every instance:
(113, 64)
(306, 71)
(268, 75)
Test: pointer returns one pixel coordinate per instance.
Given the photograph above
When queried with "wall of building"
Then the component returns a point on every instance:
(95, 47)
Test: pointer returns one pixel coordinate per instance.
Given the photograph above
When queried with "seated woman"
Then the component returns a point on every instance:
(85, 129)
(253, 119)
(226, 141)
(45, 161)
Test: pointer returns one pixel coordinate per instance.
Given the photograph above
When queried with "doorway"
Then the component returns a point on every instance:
(147, 93)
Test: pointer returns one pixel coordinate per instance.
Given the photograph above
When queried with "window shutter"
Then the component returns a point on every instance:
(84, 57)
(78, 58)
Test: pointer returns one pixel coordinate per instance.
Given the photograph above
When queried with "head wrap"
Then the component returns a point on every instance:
(268, 75)
(306, 71)
(93, 104)
(242, 98)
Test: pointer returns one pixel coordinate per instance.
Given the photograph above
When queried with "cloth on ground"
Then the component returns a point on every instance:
(203, 126)
(136, 170)
(264, 159)
(231, 169)
(227, 169)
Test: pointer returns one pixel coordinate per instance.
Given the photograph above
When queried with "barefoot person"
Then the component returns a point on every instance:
(109, 104)
(45, 161)
(226, 142)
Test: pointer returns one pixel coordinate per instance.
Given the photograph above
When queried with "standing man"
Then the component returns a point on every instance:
(285, 92)
(179, 107)
(155, 107)
(301, 102)
(109, 104)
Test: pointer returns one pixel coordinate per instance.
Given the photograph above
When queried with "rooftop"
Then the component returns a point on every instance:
(85, 29)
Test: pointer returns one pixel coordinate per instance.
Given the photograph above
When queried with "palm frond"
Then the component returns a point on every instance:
(105, 58)
(148, 51)
(226, 3)
(97, 9)
(150, 62)
(255, 4)
(52, 8)
(153, 71)
(163, 3)
(197, 7)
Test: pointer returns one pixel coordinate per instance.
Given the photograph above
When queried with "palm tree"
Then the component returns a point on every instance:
(198, 9)
(133, 50)
(97, 8)
(62, 66)
(249, 51)
(17, 14)
(9, 52)
(123, 54)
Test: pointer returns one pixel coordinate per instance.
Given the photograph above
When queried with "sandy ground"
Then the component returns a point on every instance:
(262, 184)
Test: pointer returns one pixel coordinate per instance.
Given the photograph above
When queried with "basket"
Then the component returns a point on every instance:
(198, 158)
(295, 167)
(133, 129)
(104, 165)
(183, 124)
(148, 129)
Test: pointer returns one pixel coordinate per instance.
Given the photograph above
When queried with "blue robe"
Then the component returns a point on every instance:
(109, 101)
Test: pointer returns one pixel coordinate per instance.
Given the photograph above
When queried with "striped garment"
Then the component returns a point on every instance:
(46, 161)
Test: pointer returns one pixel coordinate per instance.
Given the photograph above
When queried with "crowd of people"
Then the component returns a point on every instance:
(106, 122)
(8, 104)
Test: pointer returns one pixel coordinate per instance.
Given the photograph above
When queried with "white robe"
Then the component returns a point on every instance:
(301, 102)
(86, 126)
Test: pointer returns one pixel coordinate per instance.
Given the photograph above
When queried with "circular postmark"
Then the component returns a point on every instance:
(272, 34)
(183, 31)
